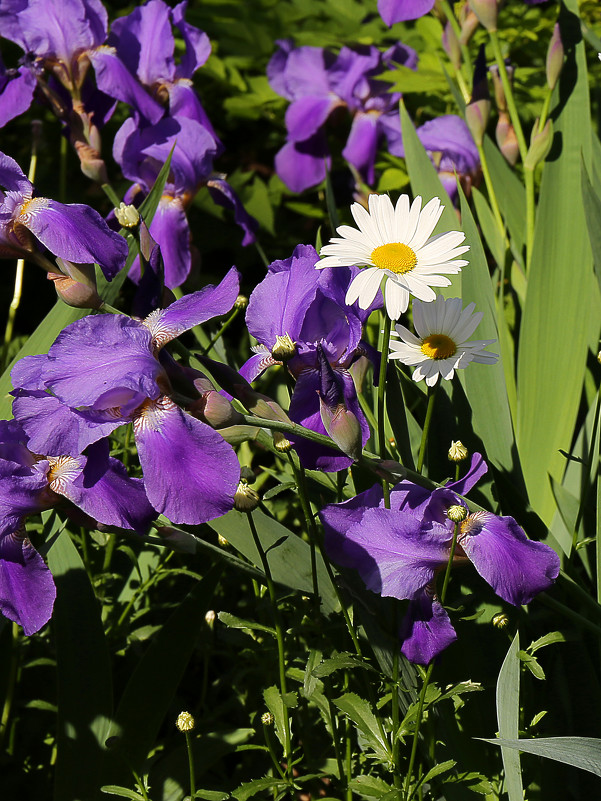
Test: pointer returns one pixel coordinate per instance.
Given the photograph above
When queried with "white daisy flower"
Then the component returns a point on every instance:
(441, 345)
(394, 243)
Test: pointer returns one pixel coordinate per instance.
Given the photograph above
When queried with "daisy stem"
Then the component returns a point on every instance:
(422, 695)
(429, 411)
(279, 633)
(300, 478)
(381, 398)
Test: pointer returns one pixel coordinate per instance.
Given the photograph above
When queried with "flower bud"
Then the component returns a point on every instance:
(210, 618)
(284, 348)
(500, 620)
(281, 444)
(222, 541)
(487, 12)
(91, 162)
(267, 719)
(177, 539)
(245, 498)
(343, 427)
(500, 98)
(76, 285)
(469, 23)
(457, 452)
(212, 407)
(185, 722)
(241, 302)
(450, 42)
(506, 139)
(457, 513)
(476, 117)
(127, 216)
(555, 55)
(540, 144)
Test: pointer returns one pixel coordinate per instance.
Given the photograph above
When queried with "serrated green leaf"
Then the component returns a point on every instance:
(233, 622)
(340, 661)
(277, 704)
(508, 701)
(547, 639)
(310, 682)
(211, 795)
(532, 664)
(249, 789)
(359, 711)
(122, 792)
(369, 786)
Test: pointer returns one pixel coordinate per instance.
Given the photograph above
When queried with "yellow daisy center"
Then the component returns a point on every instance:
(438, 346)
(396, 257)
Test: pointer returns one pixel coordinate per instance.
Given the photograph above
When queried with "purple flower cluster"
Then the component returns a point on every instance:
(307, 306)
(103, 372)
(135, 64)
(400, 551)
(317, 82)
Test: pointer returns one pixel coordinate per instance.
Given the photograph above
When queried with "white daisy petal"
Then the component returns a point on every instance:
(364, 287)
(396, 241)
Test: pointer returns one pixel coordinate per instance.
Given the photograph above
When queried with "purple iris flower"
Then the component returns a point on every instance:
(96, 484)
(452, 149)
(393, 11)
(400, 551)
(56, 35)
(105, 371)
(140, 52)
(317, 82)
(141, 152)
(74, 232)
(308, 305)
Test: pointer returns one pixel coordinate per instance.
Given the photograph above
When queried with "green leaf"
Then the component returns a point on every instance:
(359, 711)
(233, 622)
(548, 639)
(508, 702)
(211, 795)
(369, 786)
(279, 489)
(562, 308)
(249, 789)
(532, 664)
(340, 662)
(157, 676)
(290, 561)
(580, 752)
(484, 384)
(437, 770)
(84, 676)
(123, 792)
(592, 213)
(277, 704)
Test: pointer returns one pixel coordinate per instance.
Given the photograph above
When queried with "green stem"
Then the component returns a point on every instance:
(420, 709)
(545, 109)
(422, 447)
(452, 19)
(190, 763)
(564, 610)
(385, 346)
(511, 106)
(13, 669)
(396, 743)
(221, 331)
(301, 483)
(491, 194)
(422, 696)
(279, 633)
(111, 194)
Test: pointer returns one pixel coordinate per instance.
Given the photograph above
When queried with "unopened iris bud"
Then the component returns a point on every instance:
(127, 216)
(450, 42)
(210, 618)
(555, 55)
(540, 144)
(477, 110)
(91, 162)
(284, 348)
(177, 539)
(457, 513)
(76, 285)
(487, 12)
(185, 722)
(267, 719)
(457, 452)
(507, 139)
(500, 620)
(500, 99)
(212, 407)
(241, 302)
(245, 498)
(469, 23)
(343, 427)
